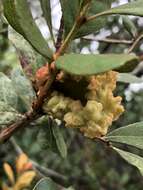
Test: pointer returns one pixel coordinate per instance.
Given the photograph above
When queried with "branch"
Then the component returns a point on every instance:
(7, 132)
(37, 112)
(135, 43)
(90, 18)
(81, 19)
(41, 170)
(110, 40)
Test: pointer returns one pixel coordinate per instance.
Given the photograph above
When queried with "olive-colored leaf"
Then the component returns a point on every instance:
(129, 78)
(20, 18)
(130, 135)
(133, 159)
(80, 64)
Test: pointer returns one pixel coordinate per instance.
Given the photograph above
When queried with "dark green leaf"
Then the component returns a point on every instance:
(96, 7)
(129, 140)
(130, 26)
(71, 10)
(128, 67)
(130, 135)
(20, 18)
(1, 8)
(93, 64)
(132, 8)
(45, 137)
(50, 137)
(46, 184)
(133, 159)
(129, 78)
(61, 145)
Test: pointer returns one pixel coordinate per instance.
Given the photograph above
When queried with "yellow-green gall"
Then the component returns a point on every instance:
(94, 116)
(73, 120)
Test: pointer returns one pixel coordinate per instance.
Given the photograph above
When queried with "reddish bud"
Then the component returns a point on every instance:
(28, 166)
(42, 72)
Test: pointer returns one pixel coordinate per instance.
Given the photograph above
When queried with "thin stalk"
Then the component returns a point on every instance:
(135, 43)
(78, 23)
(110, 40)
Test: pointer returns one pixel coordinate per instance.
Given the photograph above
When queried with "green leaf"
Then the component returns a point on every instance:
(132, 8)
(130, 26)
(132, 129)
(23, 88)
(45, 137)
(1, 7)
(50, 137)
(133, 159)
(130, 135)
(61, 145)
(71, 10)
(46, 8)
(46, 184)
(49, 184)
(93, 26)
(7, 114)
(128, 67)
(20, 18)
(7, 91)
(93, 64)
(129, 78)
